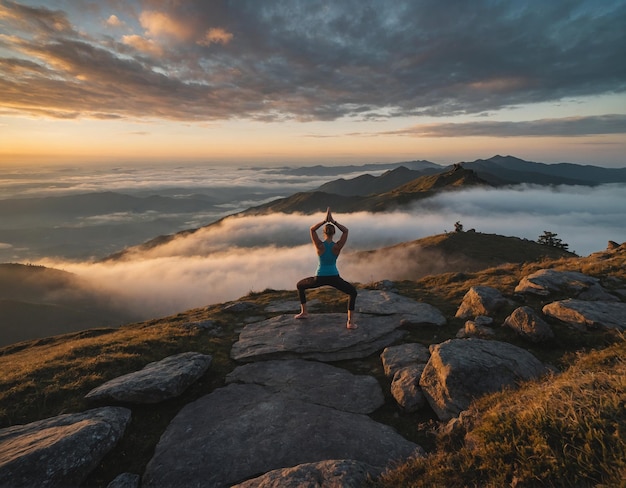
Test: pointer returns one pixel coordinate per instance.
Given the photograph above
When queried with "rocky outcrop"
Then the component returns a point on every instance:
(313, 382)
(323, 337)
(460, 370)
(59, 451)
(344, 473)
(481, 300)
(156, 382)
(549, 281)
(239, 431)
(529, 325)
(582, 314)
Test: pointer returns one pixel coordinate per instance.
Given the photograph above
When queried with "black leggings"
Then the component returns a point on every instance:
(334, 281)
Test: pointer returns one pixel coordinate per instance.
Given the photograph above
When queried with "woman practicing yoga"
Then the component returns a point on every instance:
(327, 273)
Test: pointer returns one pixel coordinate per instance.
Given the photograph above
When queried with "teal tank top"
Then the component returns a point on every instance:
(327, 265)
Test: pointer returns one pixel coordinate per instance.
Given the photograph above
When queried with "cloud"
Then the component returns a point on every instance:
(563, 127)
(314, 60)
(114, 21)
(215, 35)
(244, 254)
(142, 44)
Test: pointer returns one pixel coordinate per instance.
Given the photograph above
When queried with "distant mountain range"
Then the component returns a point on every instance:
(401, 186)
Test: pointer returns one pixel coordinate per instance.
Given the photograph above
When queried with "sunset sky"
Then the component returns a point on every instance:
(311, 81)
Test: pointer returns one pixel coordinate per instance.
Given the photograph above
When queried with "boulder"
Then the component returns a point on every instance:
(323, 337)
(59, 451)
(400, 356)
(313, 382)
(529, 325)
(156, 382)
(342, 473)
(460, 370)
(582, 314)
(405, 388)
(481, 300)
(548, 281)
(239, 431)
(382, 302)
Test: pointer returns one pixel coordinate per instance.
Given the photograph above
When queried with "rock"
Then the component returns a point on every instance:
(323, 337)
(381, 302)
(343, 473)
(612, 245)
(481, 300)
(59, 451)
(406, 390)
(314, 382)
(397, 357)
(239, 431)
(286, 306)
(156, 382)
(472, 328)
(125, 480)
(528, 324)
(460, 370)
(547, 281)
(582, 314)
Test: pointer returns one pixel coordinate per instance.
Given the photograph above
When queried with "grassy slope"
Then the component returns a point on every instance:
(47, 377)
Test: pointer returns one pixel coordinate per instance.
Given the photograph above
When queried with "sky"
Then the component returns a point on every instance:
(312, 81)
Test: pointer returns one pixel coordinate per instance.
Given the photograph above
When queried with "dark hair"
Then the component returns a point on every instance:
(329, 229)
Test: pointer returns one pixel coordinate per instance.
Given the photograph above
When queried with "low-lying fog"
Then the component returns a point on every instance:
(244, 254)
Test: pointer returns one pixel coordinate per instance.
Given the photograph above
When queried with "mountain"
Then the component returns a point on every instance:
(319, 170)
(416, 189)
(509, 170)
(503, 435)
(368, 185)
(36, 301)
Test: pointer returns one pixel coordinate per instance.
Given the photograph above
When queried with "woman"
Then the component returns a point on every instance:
(327, 273)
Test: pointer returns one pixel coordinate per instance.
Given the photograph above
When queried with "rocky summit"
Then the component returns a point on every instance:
(288, 413)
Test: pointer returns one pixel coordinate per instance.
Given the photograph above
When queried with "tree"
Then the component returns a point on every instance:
(550, 239)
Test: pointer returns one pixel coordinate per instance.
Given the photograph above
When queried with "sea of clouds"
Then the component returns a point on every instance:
(243, 254)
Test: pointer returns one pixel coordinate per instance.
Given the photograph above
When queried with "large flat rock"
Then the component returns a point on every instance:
(156, 382)
(59, 451)
(323, 337)
(241, 431)
(313, 382)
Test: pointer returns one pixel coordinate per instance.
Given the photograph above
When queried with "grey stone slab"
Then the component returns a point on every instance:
(313, 382)
(323, 337)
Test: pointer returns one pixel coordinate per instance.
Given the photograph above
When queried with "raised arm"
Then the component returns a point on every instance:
(317, 242)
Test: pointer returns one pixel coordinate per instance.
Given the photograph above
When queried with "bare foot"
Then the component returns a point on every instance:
(352, 325)
(302, 315)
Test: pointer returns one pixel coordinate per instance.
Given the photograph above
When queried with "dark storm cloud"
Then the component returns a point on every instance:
(310, 60)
